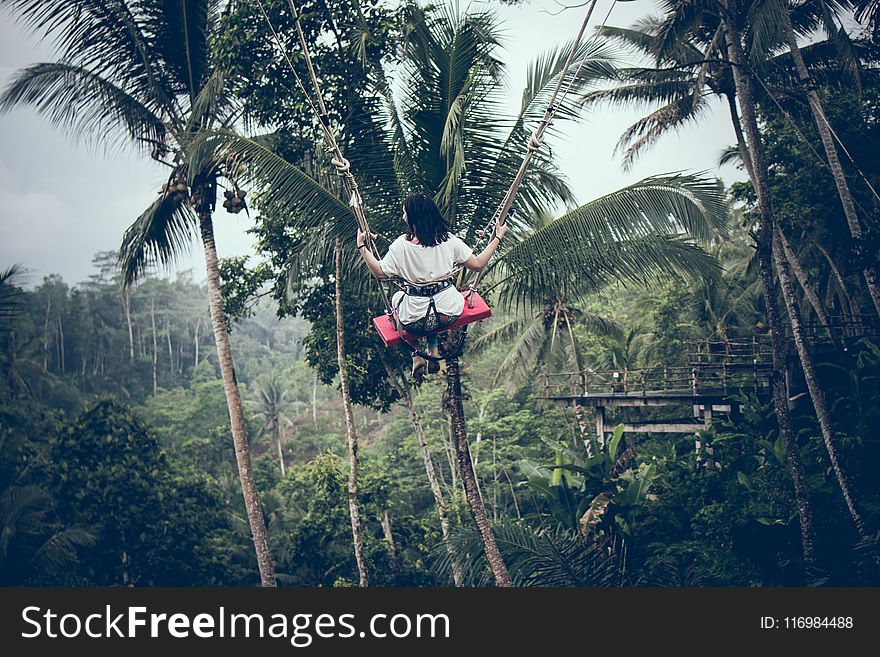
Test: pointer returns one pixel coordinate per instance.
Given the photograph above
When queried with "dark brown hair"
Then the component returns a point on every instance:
(423, 219)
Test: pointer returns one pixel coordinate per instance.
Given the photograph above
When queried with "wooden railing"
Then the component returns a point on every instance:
(730, 352)
(694, 380)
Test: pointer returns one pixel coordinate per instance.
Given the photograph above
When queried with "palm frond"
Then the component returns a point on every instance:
(675, 203)
(868, 13)
(105, 35)
(285, 188)
(180, 31)
(11, 294)
(600, 325)
(534, 266)
(524, 354)
(649, 129)
(766, 19)
(731, 155)
(542, 557)
(59, 551)
(499, 333)
(157, 237)
(213, 104)
(89, 105)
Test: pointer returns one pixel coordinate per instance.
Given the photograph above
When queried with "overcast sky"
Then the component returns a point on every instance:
(61, 202)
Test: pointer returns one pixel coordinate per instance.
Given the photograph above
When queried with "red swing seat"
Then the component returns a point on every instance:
(388, 331)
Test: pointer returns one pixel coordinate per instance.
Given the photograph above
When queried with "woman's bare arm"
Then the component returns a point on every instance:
(372, 263)
(478, 262)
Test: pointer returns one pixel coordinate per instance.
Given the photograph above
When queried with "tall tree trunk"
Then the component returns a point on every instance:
(61, 358)
(155, 344)
(794, 263)
(196, 342)
(406, 395)
(315, 399)
(755, 156)
(816, 393)
(46, 335)
(275, 429)
(386, 531)
(846, 306)
(233, 401)
(126, 304)
(170, 348)
(351, 436)
(789, 253)
(468, 477)
(846, 199)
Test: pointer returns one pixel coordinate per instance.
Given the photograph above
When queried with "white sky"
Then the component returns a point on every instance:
(62, 202)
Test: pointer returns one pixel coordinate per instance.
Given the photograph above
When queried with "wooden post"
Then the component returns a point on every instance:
(600, 425)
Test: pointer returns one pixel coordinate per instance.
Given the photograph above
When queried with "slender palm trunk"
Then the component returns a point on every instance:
(170, 348)
(351, 436)
(61, 357)
(276, 436)
(755, 157)
(126, 304)
(846, 306)
(846, 198)
(196, 339)
(815, 392)
(315, 399)
(155, 344)
(406, 395)
(233, 401)
(46, 335)
(468, 477)
(791, 258)
(790, 255)
(386, 531)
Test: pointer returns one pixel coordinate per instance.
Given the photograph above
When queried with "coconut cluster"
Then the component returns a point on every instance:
(176, 190)
(234, 202)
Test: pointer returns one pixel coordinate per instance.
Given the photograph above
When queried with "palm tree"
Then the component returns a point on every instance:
(444, 132)
(268, 407)
(776, 13)
(768, 247)
(695, 57)
(404, 389)
(350, 433)
(141, 73)
(869, 11)
(547, 557)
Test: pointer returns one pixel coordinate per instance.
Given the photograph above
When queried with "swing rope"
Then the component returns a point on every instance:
(343, 166)
(536, 139)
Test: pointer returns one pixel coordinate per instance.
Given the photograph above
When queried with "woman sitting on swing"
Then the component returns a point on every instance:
(425, 257)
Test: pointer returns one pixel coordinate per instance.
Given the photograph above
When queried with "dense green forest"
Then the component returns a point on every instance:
(134, 452)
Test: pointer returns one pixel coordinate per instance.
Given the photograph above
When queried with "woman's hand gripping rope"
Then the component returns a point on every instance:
(362, 238)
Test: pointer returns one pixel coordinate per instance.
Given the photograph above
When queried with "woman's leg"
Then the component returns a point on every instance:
(419, 363)
(433, 350)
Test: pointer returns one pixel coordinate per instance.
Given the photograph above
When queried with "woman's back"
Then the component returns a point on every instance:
(419, 264)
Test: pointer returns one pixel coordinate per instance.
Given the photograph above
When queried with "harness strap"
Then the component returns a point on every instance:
(428, 290)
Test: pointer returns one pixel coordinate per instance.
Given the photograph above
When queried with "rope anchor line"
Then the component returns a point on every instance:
(343, 166)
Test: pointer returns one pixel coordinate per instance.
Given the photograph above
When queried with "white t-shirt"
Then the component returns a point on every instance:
(419, 265)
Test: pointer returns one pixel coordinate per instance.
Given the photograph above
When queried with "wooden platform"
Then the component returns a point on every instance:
(651, 398)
